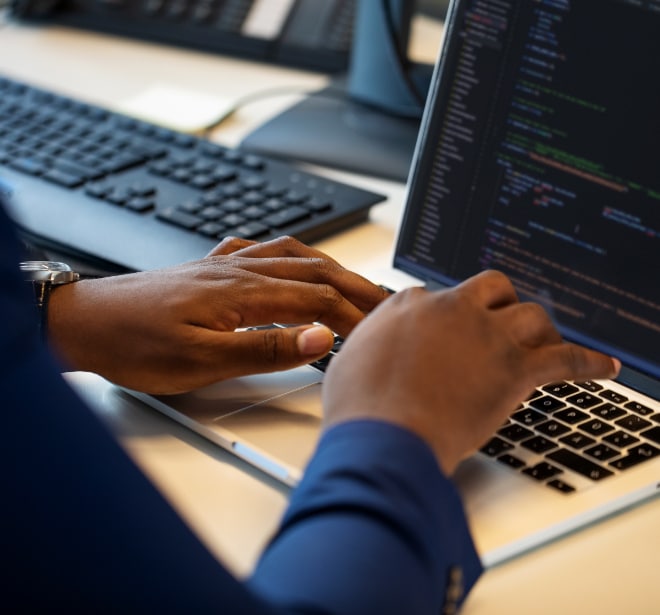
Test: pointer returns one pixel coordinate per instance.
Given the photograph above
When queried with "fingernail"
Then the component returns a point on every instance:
(617, 366)
(314, 340)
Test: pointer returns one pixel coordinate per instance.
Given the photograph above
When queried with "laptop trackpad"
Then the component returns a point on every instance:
(278, 413)
(286, 428)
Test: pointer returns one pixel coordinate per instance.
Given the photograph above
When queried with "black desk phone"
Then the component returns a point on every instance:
(310, 34)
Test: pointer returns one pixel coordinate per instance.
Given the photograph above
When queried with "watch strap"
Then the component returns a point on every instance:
(42, 298)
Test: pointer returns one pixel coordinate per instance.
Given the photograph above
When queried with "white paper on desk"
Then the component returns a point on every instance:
(176, 108)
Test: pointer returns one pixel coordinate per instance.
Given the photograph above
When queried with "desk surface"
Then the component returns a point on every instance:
(608, 568)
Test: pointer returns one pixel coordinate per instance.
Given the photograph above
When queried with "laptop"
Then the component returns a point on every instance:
(537, 156)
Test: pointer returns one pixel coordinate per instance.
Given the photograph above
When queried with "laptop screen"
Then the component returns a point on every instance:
(539, 155)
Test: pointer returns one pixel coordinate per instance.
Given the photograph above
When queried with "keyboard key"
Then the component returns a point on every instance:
(511, 461)
(613, 396)
(539, 444)
(515, 432)
(608, 411)
(638, 408)
(179, 218)
(250, 230)
(286, 216)
(636, 455)
(542, 471)
(140, 204)
(560, 485)
(579, 464)
(547, 404)
(534, 394)
(571, 416)
(495, 446)
(553, 428)
(652, 434)
(528, 417)
(28, 165)
(602, 452)
(590, 385)
(63, 179)
(560, 389)
(632, 422)
(584, 400)
(595, 427)
(621, 439)
(577, 440)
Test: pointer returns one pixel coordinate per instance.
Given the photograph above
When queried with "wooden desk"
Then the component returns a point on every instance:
(609, 568)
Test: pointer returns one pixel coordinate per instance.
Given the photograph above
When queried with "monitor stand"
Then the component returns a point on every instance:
(330, 129)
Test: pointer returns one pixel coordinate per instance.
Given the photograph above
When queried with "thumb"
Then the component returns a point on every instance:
(269, 350)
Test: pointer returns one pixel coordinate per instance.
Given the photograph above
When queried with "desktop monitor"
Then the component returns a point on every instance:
(367, 120)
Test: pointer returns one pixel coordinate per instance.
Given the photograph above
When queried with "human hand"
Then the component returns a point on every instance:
(173, 330)
(450, 366)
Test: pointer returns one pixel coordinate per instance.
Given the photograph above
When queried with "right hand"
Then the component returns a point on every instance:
(451, 365)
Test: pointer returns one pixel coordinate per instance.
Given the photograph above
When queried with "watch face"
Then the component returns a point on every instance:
(44, 266)
(48, 271)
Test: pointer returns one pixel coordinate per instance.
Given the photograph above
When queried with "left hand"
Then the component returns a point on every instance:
(173, 330)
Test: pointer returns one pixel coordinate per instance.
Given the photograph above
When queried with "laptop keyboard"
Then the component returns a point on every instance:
(137, 179)
(570, 435)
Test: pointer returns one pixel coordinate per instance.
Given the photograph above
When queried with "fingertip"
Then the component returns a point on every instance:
(616, 364)
(314, 341)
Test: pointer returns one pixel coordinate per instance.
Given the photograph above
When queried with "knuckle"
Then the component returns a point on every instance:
(329, 296)
(573, 359)
(287, 245)
(324, 268)
(270, 346)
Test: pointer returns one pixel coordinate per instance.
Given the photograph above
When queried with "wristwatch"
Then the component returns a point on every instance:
(44, 275)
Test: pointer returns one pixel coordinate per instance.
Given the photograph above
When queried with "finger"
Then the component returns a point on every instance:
(568, 361)
(274, 349)
(282, 247)
(530, 325)
(293, 302)
(491, 288)
(358, 290)
(229, 245)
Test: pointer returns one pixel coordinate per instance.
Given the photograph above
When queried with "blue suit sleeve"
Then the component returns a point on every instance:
(373, 526)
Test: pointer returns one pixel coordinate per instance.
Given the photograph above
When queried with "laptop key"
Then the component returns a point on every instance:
(633, 422)
(542, 471)
(577, 440)
(560, 485)
(579, 464)
(596, 427)
(515, 432)
(539, 444)
(636, 455)
(511, 461)
(652, 434)
(638, 408)
(613, 396)
(495, 446)
(602, 452)
(571, 416)
(590, 385)
(547, 404)
(584, 400)
(608, 411)
(560, 389)
(621, 439)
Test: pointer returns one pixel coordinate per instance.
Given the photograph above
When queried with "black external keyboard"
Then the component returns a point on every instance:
(132, 195)
(304, 33)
